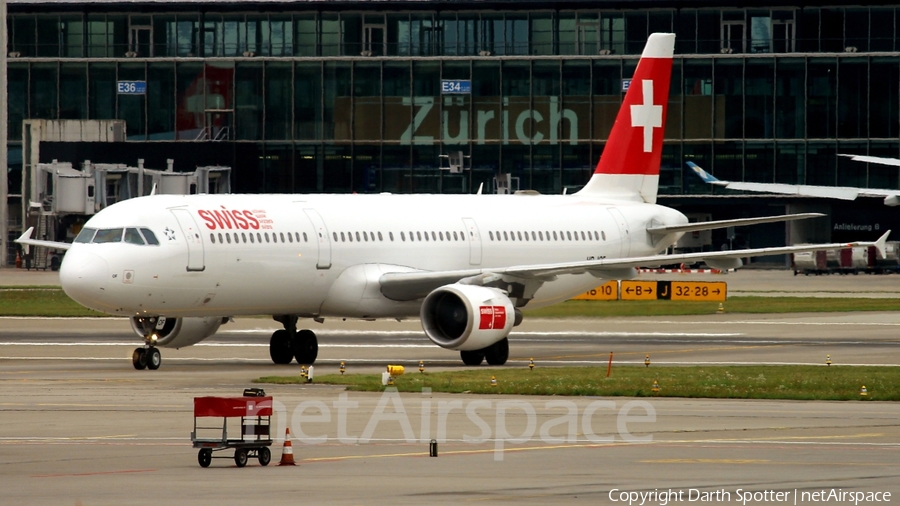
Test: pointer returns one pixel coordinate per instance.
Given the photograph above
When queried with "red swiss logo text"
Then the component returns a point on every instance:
(492, 317)
(232, 219)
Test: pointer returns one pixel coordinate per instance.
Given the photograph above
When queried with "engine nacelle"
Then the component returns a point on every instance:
(467, 317)
(176, 332)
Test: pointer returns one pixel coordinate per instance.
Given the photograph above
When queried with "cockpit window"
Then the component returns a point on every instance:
(133, 237)
(108, 235)
(85, 235)
(148, 234)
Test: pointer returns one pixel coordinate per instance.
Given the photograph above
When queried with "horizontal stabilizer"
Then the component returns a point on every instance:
(712, 225)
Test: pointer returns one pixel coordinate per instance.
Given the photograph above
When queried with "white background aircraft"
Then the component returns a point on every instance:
(891, 197)
(466, 265)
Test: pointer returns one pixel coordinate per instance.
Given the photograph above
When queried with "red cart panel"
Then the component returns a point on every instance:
(232, 406)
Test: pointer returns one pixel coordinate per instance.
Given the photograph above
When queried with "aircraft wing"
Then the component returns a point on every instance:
(891, 197)
(873, 159)
(26, 239)
(415, 285)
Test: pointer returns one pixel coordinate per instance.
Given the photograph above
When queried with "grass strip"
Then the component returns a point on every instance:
(40, 301)
(835, 383)
(52, 301)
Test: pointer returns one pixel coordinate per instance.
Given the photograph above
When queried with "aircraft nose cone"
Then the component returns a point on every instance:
(84, 277)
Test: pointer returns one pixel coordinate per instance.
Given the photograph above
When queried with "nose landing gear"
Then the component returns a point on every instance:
(146, 358)
(149, 356)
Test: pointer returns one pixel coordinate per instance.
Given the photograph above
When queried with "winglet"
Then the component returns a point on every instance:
(24, 238)
(153, 190)
(705, 176)
(480, 188)
(880, 244)
(25, 235)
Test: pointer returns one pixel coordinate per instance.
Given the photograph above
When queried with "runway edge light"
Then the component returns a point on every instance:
(647, 360)
(863, 392)
(421, 366)
(343, 368)
(827, 359)
(531, 364)
(721, 308)
(655, 388)
(493, 381)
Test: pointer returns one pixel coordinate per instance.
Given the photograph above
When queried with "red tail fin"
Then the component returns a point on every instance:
(629, 166)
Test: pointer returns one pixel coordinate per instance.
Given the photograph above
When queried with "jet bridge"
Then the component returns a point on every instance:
(64, 198)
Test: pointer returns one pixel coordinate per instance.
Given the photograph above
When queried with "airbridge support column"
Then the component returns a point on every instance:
(816, 230)
(4, 137)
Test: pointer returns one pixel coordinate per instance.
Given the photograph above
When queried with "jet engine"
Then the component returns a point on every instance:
(176, 332)
(467, 317)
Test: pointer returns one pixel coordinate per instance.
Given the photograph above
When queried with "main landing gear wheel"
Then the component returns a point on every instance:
(139, 359)
(306, 347)
(280, 347)
(204, 457)
(497, 353)
(473, 357)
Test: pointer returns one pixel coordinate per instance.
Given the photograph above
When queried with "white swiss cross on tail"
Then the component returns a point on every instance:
(629, 166)
(647, 115)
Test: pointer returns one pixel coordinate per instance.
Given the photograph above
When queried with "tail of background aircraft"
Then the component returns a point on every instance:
(629, 166)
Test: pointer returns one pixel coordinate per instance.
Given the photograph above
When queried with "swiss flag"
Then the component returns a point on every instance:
(635, 142)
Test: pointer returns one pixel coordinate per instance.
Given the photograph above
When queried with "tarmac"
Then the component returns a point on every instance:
(81, 426)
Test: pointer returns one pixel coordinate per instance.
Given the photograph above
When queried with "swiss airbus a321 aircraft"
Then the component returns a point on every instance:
(466, 265)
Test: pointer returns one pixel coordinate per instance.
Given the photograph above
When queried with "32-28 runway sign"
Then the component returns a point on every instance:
(711, 291)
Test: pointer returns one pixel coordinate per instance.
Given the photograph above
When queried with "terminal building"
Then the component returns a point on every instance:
(381, 95)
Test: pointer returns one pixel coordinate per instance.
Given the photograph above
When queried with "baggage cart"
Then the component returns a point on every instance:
(252, 438)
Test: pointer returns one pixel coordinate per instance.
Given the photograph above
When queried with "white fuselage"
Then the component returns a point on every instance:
(210, 264)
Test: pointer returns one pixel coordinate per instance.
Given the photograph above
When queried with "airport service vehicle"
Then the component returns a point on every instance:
(466, 265)
(254, 435)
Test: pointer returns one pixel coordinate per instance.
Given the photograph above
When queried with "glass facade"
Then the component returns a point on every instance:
(352, 101)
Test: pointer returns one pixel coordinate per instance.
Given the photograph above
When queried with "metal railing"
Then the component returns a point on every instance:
(562, 47)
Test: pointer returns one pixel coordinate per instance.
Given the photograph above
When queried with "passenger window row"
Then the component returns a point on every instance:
(360, 236)
(411, 236)
(131, 235)
(257, 237)
(433, 236)
(564, 235)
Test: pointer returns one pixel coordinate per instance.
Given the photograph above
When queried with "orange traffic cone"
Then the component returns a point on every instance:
(287, 453)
